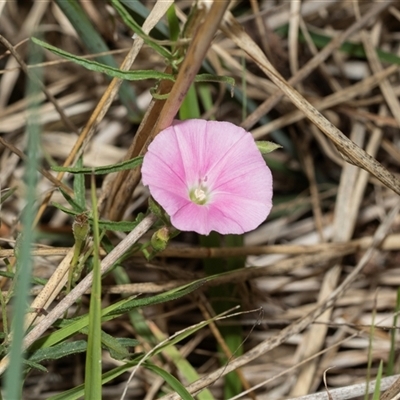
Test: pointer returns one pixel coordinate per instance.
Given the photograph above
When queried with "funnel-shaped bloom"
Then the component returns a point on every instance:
(208, 176)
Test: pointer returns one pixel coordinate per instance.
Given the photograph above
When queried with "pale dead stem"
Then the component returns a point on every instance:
(332, 100)
(350, 392)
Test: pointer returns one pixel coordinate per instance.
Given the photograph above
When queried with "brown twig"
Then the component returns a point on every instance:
(186, 75)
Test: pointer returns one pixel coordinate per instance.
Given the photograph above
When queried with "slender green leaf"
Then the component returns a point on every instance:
(58, 351)
(105, 169)
(91, 65)
(34, 365)
(215, 78)
(157, 299)
(114, 72)
(64, 209)
(119, 349)
(117, 226)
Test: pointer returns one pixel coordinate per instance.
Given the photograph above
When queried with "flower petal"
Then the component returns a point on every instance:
(222, 157)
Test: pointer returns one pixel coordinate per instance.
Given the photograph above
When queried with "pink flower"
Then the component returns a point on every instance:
(208, 176)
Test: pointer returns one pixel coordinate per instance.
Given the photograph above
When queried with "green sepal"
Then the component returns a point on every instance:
(266, 147)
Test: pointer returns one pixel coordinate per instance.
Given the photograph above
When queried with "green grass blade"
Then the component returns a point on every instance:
(206, 98)
(183, 365)
(95, 44)
(13, 378)
(370, 355)
(93, 368)
(377, 391)
(190, 107)
(171, 380)
(393, 334)
(173, 23)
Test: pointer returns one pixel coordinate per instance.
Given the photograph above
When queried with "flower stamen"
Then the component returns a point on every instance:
(199, 195)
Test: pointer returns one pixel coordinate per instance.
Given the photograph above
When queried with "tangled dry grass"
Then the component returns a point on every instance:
(321, 78)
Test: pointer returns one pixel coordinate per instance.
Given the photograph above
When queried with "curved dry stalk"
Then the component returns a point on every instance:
(333, 100)
(187, 72)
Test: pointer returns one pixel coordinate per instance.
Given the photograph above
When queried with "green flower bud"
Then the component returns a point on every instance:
(80, 228)
(160, 238)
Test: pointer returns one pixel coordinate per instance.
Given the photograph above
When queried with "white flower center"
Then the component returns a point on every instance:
(199, 194)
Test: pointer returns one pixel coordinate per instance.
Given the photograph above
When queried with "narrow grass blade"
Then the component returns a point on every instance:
(93, 370)
(14, 377)
(393, 333)
(377, 391)
(171, 380)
